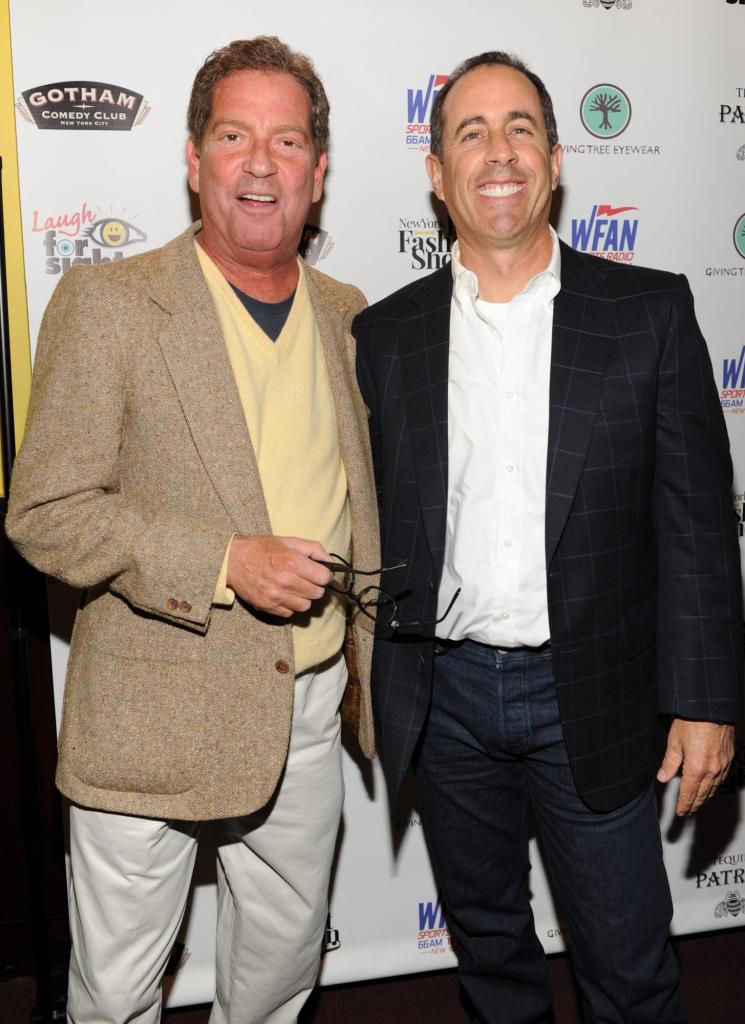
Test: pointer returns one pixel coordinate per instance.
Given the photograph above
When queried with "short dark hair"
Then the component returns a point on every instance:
(264, 53)
(490, 58)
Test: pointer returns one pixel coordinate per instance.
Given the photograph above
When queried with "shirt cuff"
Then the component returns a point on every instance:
(224, 596)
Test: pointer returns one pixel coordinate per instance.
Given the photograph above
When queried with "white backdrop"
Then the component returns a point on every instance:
(659, 180)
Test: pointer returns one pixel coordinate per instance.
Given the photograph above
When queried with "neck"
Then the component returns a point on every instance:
(502, 273)
(273, 279)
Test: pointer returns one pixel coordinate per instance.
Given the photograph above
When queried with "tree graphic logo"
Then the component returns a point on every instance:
(605, 111)
(738, 236)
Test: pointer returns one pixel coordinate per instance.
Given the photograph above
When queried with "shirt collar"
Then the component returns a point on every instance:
(466, 284)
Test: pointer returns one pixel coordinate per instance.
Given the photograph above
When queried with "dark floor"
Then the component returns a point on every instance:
(713, 969)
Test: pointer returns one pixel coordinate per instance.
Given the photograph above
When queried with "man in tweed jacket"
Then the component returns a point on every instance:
(205, 671)
(549, 447)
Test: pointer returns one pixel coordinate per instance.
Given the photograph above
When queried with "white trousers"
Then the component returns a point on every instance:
(130, 879)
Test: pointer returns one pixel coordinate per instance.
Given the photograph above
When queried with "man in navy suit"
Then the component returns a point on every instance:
(549, 446)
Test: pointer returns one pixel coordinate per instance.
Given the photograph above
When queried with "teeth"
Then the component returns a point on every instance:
(501, 190)
(257, 198)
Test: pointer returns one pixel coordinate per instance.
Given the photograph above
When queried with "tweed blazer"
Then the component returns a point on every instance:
(642, 560)
(135, 470)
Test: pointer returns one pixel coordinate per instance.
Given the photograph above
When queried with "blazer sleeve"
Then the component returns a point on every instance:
(67, 514)
(699, 628)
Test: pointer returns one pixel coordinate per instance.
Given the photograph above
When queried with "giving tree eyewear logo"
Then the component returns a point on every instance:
(79, 105)
(605, 111)
(738, 236)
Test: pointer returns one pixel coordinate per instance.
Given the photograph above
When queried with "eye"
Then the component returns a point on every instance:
(114, 233)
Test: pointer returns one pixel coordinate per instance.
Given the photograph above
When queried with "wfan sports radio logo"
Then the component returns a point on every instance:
(433, 936)
(426, 241)
(419, 110)
(80, 237)
(732, 395)
(83, 105)
(605, 111)
(621, 5)
(606, 233)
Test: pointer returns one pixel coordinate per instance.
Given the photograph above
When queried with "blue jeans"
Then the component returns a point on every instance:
(493, 745)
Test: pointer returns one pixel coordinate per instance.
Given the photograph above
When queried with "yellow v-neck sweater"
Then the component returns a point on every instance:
(289, 410)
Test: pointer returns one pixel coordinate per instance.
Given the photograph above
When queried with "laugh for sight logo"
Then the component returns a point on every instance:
(79, 237)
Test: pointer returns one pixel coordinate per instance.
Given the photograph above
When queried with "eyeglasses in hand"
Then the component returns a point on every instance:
(373, 602)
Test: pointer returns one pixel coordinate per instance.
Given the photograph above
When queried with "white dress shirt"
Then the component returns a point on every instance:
(498, 403)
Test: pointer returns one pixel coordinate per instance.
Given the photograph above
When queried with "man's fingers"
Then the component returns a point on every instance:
(671, 762)
(687, 796)
(277, 574)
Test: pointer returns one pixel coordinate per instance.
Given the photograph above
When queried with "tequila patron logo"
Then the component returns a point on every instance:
(83, 105)
(605, 111)
(607, 233)
(80, 237)
(418, 111)
(732, 906)
(621, 5)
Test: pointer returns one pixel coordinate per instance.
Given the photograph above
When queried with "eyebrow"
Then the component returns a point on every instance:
(512, 115)
(223, 122)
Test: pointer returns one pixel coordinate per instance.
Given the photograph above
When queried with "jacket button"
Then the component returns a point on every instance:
(282, 666)
(172, 604)
(185, 606)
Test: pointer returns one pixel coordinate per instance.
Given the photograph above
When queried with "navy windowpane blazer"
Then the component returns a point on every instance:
(643, 568)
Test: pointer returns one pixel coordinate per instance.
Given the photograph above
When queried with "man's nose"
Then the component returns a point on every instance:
(499, 148)
(258, 159)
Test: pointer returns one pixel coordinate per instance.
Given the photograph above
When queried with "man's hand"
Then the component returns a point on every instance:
(277, 574)
(705, 751)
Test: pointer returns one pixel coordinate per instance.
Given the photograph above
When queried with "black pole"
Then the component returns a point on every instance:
(27, 585)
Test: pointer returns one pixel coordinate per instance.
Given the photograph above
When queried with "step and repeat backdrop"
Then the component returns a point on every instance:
(650, 102)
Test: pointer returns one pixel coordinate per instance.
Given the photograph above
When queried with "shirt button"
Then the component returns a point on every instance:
(185, 606)
(508, 543)
(510, 394)
(282, 667)
(505, 615)
(172, 604)
(510, 469)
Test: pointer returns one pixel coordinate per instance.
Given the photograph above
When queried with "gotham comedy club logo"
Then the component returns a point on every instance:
(83, 105)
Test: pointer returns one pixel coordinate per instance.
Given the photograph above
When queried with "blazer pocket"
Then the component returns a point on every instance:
(134, 725)
(640, 629)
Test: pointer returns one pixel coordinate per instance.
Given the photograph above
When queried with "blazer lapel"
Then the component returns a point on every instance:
(194, 350)
(582, 330)
(424, 366)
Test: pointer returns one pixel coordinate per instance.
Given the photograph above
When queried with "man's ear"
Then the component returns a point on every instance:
(192, 164)
(434, 170)
(318, 175)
